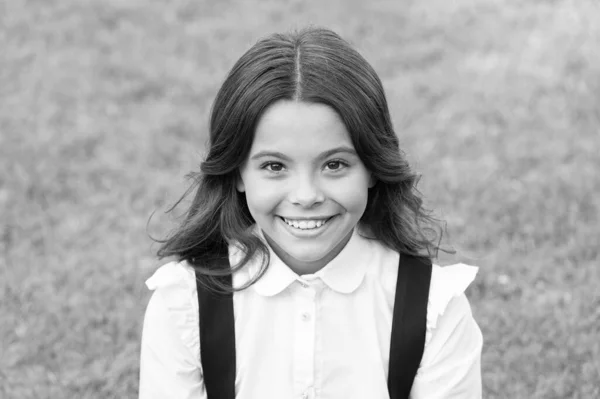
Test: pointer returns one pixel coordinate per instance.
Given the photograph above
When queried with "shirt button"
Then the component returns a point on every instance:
(304, 285)
(305, 395)
(305, 316)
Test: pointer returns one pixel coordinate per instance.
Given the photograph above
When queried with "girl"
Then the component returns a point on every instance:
(304, 259)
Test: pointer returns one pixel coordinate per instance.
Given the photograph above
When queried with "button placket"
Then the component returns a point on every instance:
(304, 341)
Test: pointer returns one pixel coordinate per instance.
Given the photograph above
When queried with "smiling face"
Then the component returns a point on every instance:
(305, 186)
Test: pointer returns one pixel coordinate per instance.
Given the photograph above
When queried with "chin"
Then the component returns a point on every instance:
(308, 256)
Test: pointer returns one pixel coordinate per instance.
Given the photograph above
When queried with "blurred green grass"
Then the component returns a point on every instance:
(103, 109)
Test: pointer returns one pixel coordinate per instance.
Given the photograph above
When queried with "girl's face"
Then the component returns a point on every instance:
(305, 186)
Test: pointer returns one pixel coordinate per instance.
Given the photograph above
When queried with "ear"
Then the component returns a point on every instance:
(372, 181)
(239, 185)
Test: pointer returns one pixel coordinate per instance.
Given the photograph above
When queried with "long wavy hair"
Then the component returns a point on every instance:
(313, 65)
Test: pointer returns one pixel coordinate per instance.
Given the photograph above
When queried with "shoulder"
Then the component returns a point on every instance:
(173, 275)
(451, 362)
(447, 294)
(175, 297)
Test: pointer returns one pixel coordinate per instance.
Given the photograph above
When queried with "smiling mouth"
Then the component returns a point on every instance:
(306, 224)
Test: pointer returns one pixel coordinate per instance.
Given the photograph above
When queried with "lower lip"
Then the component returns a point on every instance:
(308, 232)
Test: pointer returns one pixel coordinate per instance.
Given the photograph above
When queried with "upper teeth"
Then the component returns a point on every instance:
(305, 224)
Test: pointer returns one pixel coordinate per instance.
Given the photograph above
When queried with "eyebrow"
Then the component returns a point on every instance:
(325, 154)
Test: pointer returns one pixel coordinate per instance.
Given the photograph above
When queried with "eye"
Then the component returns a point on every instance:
(335, 165)
(273, 166)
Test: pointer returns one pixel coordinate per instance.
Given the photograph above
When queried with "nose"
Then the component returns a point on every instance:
(306, 191)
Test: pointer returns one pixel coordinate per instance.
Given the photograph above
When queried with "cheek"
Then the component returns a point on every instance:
(262, 196)
(356, 201)
(352, 194)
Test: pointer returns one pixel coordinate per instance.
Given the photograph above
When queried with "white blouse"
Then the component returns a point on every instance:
(324, 335)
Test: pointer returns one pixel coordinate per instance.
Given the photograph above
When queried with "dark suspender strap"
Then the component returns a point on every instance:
(409, 324)
(217, 340)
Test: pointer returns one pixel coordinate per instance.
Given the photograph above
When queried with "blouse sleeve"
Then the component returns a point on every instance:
(451, 364)
(169, 362)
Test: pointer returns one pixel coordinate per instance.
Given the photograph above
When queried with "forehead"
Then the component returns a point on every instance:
(298, 126)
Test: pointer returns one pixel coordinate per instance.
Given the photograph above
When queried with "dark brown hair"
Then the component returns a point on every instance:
(313, 65)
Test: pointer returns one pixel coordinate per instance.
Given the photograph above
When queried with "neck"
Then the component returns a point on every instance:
(301, 267)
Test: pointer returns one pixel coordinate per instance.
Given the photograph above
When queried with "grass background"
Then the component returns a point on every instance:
(103, 109)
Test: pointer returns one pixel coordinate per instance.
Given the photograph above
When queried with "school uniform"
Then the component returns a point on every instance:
(324, 335)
